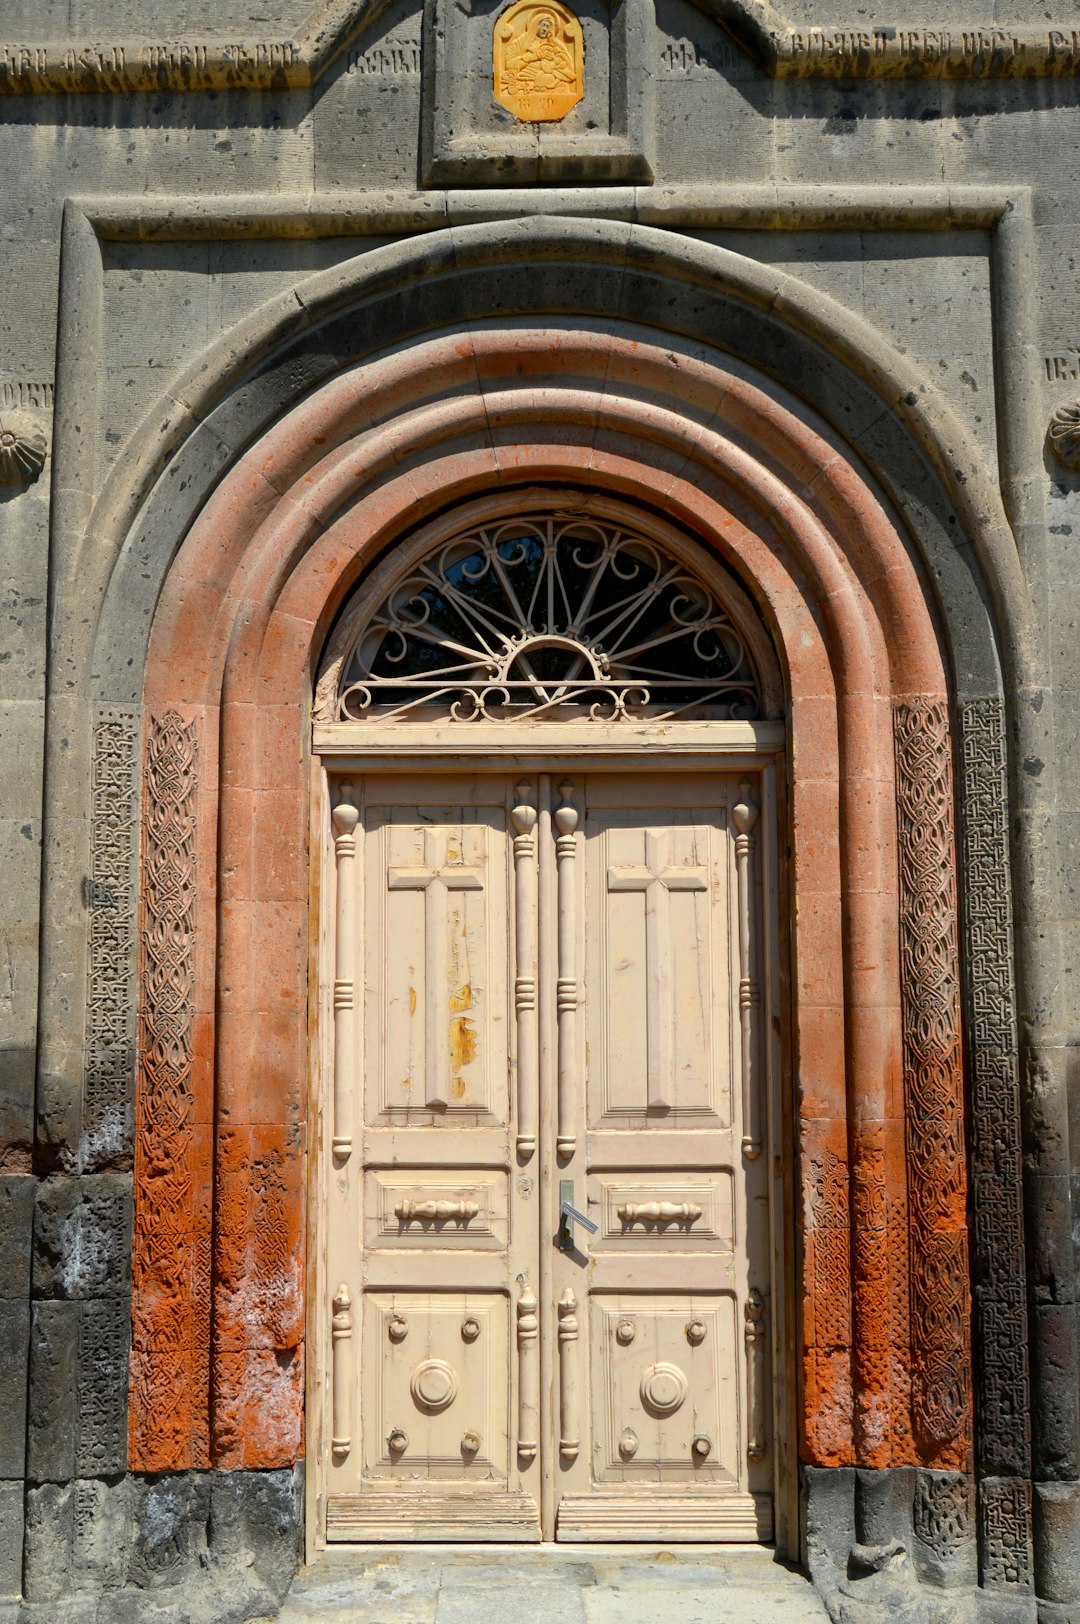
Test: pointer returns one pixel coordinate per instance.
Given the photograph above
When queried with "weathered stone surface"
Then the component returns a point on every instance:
(77, 1421)
(82, 1237)
(11, 1538)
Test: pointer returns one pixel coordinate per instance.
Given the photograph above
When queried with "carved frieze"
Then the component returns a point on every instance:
(942, 1512)
(1005, 1549)
(886, 48)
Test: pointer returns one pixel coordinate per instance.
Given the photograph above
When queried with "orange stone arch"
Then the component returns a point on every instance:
(217, 1364)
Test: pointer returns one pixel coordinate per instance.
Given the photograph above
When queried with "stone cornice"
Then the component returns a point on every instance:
(874, 50)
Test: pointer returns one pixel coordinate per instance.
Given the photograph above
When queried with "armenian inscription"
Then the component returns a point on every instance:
(538, 61)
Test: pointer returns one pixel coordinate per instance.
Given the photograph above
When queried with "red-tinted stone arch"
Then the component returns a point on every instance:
(240, 624)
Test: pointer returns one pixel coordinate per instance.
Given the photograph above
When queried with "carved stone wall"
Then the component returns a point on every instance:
(933, 1081)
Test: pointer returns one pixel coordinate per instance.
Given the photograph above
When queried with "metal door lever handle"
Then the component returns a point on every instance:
(569, 1216)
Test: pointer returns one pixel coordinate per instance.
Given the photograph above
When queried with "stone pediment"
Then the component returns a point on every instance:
(873, 48)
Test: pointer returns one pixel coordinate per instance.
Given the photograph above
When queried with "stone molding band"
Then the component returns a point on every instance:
(885, 50)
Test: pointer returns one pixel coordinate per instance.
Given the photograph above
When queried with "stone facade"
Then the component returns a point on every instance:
(817, 264)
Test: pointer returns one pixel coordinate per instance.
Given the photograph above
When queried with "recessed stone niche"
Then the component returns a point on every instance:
(470, 140)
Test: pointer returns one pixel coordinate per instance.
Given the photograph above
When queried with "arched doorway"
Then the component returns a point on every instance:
(553, 1165)
(880, 1301)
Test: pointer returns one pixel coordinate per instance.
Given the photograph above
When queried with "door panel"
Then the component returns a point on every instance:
(555, 994)
(658, 1149)
(438, 1401)
(423, 1222)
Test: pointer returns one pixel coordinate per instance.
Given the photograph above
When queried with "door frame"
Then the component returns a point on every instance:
(363, 749)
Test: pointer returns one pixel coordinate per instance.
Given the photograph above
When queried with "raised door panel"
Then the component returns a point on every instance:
(656, 973)
(664, 1390)
(437, 1398)
(435, 965)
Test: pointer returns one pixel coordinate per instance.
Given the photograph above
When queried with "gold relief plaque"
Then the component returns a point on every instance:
(539, 60)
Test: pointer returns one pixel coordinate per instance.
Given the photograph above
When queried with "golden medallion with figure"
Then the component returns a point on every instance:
(539, 60)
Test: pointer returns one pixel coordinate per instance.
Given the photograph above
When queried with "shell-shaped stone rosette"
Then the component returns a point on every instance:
(1063, 433)
(23, 444)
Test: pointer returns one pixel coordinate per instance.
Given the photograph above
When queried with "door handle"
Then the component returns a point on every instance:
(569, 1216)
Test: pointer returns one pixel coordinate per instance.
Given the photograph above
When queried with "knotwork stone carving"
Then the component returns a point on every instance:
(831, 1239)
(110, 898)
(933, 1079)
(1005, 1553)
(942, 1512)
(1003, 1394)
(171, 1320)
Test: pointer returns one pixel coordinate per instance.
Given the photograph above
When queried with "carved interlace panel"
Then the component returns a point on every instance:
(831, 1240)
(171, 1319)
(1003, 1394)
(930, 994)
(1005, 1551)
(544, 615)
(110, 899)
(942, 1512)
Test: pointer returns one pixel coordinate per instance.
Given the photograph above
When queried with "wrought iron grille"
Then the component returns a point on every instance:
(548, 615)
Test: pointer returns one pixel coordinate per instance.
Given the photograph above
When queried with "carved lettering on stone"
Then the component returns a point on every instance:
(679, 56)
(390, 60)
(110, 899)
(23, 393)
(933, 1080)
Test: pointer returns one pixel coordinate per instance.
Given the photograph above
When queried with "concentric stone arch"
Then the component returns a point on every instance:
(222, 415)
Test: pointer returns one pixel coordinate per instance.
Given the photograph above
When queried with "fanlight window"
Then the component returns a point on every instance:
(543, 616)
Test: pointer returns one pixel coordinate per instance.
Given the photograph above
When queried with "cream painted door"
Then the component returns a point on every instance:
(547, 989)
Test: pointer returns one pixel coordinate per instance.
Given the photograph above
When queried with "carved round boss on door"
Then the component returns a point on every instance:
(434, 1385)
(663, 1388)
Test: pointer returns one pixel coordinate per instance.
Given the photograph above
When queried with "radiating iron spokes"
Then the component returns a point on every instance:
(548, 614)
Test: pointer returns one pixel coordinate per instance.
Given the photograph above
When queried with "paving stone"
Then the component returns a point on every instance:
(581, 1585)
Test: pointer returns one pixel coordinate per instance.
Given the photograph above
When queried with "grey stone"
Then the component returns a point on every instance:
(14, 1348)
(52, 1404)
(77, 1417)
(1057, 1542)
(82, 1237)
(11, 1537)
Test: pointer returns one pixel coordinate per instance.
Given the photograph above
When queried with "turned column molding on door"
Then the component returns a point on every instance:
(566, 990)
(345, 818)
(524, 818)
(744, 815)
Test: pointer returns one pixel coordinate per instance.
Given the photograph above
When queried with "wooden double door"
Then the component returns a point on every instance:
(550, 999)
